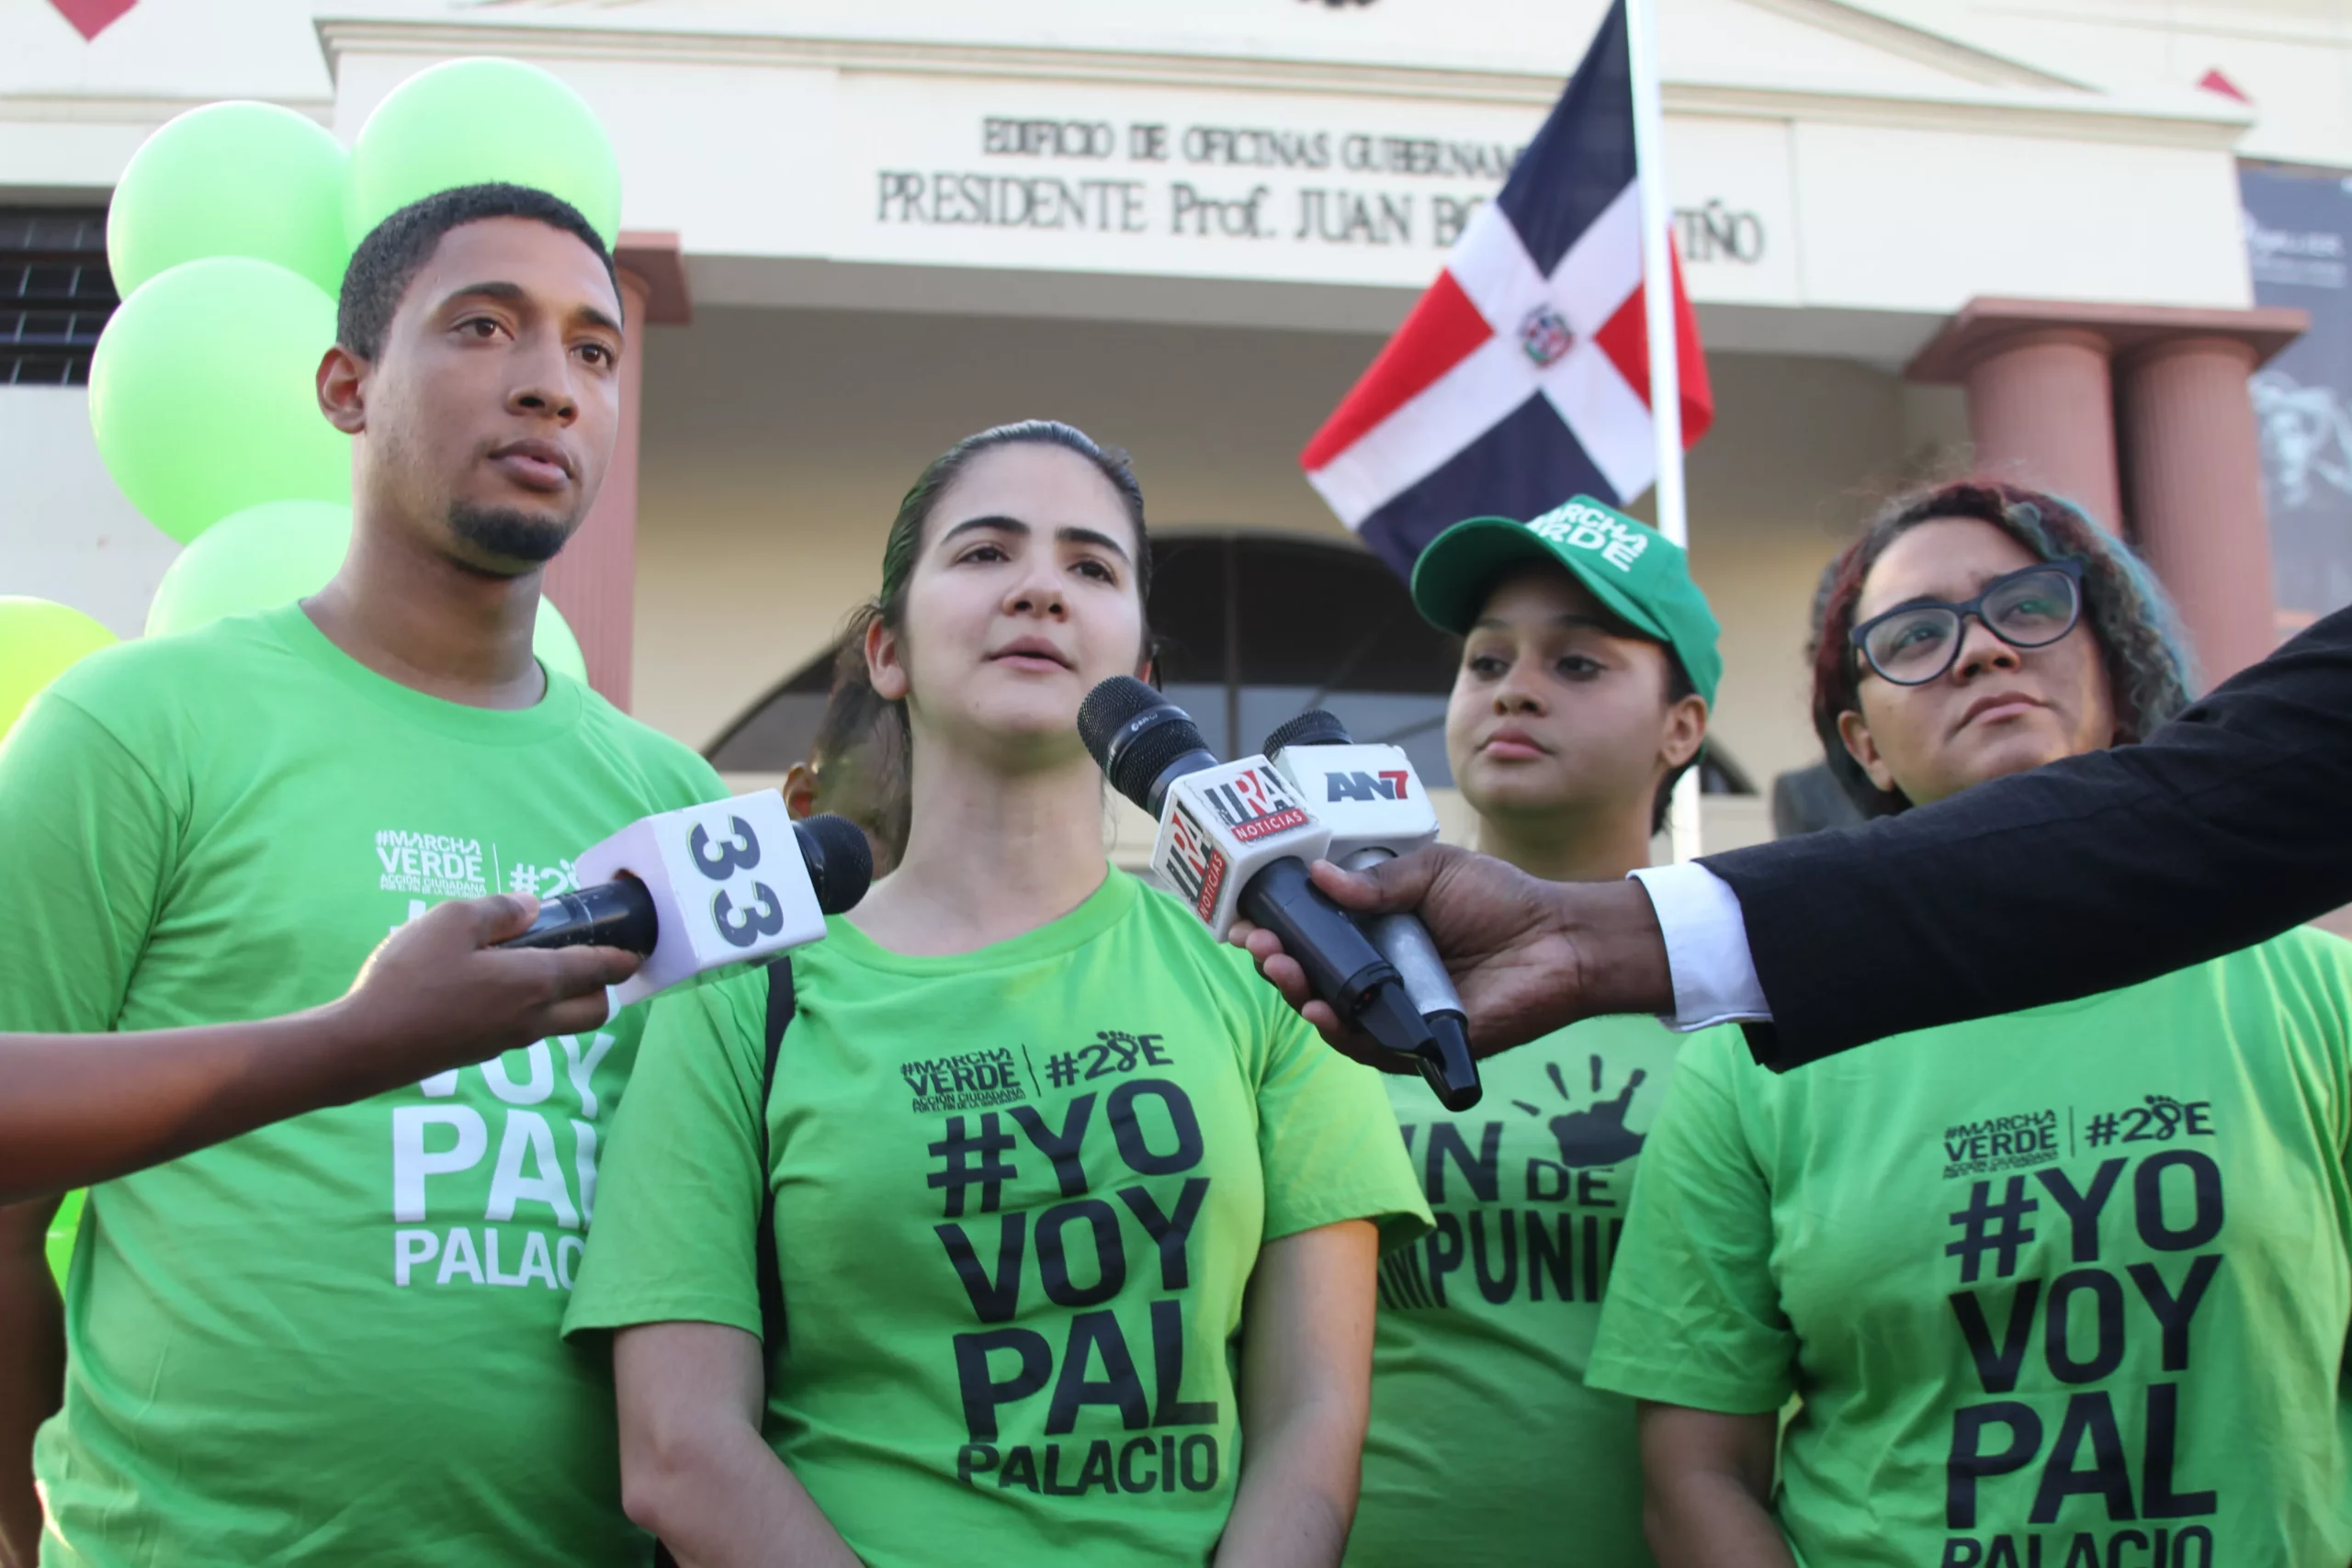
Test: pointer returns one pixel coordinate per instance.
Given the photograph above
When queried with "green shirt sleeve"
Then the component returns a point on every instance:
(1692, 1314)
(680, 1191)
(90, 842)
(2312, 972)
(1326, 1136)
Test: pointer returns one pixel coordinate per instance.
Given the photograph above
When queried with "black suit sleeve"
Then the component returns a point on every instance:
(2226, 826)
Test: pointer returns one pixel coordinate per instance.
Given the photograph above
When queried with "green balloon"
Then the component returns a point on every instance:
(257, 560)
(475, 121)
(552, 641)
(61, 1228)
(39, 642)
(233, 179)
(284, 550)
(203, 394)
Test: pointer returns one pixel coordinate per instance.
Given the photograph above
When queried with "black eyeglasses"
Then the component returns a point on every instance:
(1917, 643)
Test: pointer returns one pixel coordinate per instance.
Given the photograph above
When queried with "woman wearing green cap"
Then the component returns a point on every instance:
(1588, 664)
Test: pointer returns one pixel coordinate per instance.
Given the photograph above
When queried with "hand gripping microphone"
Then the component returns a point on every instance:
(1377, 809)
(715, 885)
(1235, 838)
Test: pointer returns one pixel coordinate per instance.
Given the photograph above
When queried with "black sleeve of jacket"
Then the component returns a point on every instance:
(2226, 826)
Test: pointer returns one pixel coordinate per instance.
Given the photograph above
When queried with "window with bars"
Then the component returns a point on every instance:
(55, 293)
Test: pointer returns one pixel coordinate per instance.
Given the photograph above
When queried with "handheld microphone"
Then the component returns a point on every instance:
(1376, 810)
(1236, 838)
(705, 887)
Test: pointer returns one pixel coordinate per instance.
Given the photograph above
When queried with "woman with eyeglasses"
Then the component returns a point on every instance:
(2064, 1287)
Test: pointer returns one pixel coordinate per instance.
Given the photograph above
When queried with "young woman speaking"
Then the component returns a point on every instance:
(1074, 1223)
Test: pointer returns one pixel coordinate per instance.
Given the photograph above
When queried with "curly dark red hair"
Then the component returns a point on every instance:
(2137, 633)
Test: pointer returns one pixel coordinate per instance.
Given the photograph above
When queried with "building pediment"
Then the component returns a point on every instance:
(1907, 62)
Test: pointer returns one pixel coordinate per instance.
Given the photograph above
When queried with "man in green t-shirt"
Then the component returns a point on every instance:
(335, 1341)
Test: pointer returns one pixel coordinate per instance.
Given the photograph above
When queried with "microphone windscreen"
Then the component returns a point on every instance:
(841, 860)
(1313, 728)
(1134, 733)
(1108, 708)
(1141, 762)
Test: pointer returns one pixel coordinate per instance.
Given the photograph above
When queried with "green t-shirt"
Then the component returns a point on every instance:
(1485, 1325)
(2066, 1287)
(333, 1340)
(1018, 1196)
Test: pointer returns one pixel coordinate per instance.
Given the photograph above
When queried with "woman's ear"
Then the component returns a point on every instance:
(1855, 731)
(799, 790)
(1684, 732)
(885, 661)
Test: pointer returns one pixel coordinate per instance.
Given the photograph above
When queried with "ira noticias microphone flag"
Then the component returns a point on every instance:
(1523, 375)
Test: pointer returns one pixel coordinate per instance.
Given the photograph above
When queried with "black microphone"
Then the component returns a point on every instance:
(621, 914)
(611, 914)
(1235, 839)
(691, 892)
(1377, 809)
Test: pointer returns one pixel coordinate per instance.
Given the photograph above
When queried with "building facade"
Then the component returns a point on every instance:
(1921, 234)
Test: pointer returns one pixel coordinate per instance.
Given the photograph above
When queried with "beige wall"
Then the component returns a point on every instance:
(777, 443)
(1801, 452)
(66, 533)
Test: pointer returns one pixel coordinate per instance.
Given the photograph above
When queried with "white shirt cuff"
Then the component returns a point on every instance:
(1706, 947)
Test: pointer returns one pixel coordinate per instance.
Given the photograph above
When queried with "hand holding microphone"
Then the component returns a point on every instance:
(437, 994)
(1235, 838)
(725, 883)
(1376, 810)
(1528, 956)
(442, 991)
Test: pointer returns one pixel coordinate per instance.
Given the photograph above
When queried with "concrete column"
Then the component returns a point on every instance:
(2040, 410)
(2039, 374)
(593, 581)
(2193, 464)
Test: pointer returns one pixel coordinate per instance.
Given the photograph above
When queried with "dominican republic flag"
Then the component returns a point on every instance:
(1521, 378)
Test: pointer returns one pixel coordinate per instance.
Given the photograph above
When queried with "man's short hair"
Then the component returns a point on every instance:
(396, 250)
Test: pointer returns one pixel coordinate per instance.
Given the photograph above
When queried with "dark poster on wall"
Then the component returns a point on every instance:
(2299, 241)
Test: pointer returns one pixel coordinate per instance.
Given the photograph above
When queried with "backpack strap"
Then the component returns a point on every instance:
(782, 1004)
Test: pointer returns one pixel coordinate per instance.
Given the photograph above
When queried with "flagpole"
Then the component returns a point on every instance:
(1657, 305)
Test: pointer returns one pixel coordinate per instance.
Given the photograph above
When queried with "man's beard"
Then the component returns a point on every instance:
(506, 533)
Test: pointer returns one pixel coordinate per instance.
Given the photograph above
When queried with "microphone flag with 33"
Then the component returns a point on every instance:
(1235, 839)
(1377, 809)
(725, 883)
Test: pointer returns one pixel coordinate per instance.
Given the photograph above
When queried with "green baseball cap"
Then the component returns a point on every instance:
(1639, 574)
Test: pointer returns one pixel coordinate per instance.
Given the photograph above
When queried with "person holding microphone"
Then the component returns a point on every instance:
(2063, 1285)
(434, 996)
(1037, 1150)
(333, 1340)
(1588, 661)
